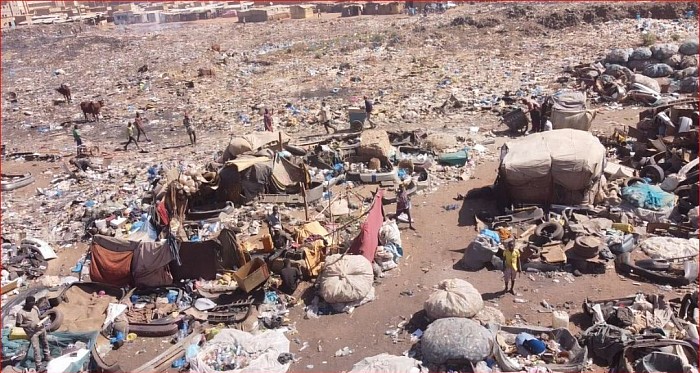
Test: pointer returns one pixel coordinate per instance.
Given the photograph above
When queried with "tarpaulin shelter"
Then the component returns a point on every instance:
(120, 262)
(203, 259)
(561, 166)
(251, 143)
(151, 264)
(245, 177)
(367, 240)
(569, 110)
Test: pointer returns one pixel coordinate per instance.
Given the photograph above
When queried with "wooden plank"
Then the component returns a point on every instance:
(162, 362)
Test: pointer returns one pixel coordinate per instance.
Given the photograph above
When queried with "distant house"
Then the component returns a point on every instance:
(383, 9)
(352, 10)
(302, 11)
(270, 13)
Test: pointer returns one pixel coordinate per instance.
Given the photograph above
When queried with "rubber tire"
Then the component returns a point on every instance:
(56, 319)
(147, 330)
(585, 251)
(653, 264)
(556, 235)
(653, 172)
(633, 180)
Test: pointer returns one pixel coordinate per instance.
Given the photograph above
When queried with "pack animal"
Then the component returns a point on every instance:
(93, 108)
(216, 48)
(65, 91)
(205, 72)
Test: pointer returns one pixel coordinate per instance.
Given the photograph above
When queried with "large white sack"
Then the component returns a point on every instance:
(453, 298)
(345, 278)
(385, 363)
(669, 247)
(490, 315)
(456, 339)
(269, 345)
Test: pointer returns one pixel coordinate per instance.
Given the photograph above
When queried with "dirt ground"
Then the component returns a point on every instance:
(492, 49)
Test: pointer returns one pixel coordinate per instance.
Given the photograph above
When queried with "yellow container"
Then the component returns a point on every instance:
(17, 333)
(268, 246)
(627, 228)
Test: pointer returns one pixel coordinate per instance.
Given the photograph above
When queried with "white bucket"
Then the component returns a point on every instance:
(560, 319)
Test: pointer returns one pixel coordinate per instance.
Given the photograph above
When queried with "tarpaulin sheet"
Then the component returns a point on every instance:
(547, 166)
(57, 342)
(150, 265)
(111, 267)
(263, 139)
(198, 261)
(367, 240)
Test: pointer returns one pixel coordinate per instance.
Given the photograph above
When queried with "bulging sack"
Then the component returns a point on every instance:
(345, 278)
(658, 70)
(456, 339)
(689, 48)
(453, 298)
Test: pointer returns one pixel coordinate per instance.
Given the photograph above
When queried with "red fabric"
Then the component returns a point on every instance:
(163, 213)
(366, 242)
(110, 267)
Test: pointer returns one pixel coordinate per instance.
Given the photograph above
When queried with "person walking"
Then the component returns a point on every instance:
(76, 136)
(267, 120)
(189, 127)
(138, 121)
(130, 137)
(369, 107)
(511, 265)
(29, 319)
(403, 204)
(324, 117)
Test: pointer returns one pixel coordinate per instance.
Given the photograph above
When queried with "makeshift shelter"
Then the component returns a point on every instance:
(252, 142)
(367, 240)
(569, 110)
(301, 11)
(352, 10)
(561, 166)
(264, 14)
(203, 259)
(246, 177)
(151, 264)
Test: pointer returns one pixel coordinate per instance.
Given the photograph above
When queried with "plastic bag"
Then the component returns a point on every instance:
(456, 339)
(658, 70)
(689, 48)
(453, 298)
(389, 233)
(648, 196)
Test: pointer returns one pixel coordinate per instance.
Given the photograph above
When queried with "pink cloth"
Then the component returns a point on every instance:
(366, 242)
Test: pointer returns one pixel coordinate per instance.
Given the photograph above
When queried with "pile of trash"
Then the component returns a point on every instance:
(642, 74)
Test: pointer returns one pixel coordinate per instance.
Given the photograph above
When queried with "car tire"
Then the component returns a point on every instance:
(633, 180)
(56, 319)
(653, 172)
(653, 264)
(551, 229)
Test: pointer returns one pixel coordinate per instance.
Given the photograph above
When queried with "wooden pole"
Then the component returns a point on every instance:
(306, 204)
(280, 141)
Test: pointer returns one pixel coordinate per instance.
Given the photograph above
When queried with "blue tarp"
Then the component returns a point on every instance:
(648, 196)
(58, 341)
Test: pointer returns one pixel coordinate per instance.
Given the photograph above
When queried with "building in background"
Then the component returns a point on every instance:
(11, 10)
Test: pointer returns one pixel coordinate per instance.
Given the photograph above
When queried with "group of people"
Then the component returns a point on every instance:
(324, 117)
(539, 115)
(138, 126)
